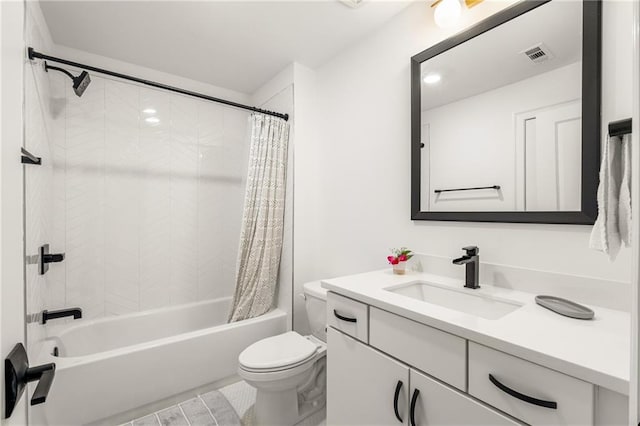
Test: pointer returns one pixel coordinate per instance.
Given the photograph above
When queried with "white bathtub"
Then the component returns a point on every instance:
(112, 365)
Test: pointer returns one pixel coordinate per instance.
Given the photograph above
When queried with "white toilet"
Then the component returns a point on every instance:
(289, 370)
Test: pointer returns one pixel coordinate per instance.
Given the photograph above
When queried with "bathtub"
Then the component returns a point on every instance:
(109, 366)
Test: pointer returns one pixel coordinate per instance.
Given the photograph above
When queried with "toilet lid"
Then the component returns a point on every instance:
(277, 351)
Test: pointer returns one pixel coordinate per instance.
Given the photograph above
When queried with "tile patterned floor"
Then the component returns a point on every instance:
(228, 406)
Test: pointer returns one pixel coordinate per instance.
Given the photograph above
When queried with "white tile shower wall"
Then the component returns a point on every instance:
(42, 120)
(153, 193)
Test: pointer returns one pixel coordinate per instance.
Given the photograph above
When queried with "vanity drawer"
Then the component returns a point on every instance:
(348, 316)
(435, 352)
(505, 382)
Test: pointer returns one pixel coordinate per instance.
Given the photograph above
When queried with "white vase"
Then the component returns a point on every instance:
(399, 268)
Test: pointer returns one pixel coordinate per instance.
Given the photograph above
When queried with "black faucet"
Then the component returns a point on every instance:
(49, 315)
(472, 262)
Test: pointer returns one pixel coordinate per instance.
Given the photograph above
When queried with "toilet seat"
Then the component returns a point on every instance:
(277, 353)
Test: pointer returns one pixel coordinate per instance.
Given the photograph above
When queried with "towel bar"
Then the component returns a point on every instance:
(438, 191)
(620, 127)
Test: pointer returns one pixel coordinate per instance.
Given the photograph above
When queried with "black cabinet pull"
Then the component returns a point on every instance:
(412, 412)
(396, 395)
(344, 318)
(522, 397)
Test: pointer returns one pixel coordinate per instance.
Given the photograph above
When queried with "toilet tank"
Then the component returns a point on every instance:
(316, 305)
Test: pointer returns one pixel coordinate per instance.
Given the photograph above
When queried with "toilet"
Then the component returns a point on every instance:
(289, 370)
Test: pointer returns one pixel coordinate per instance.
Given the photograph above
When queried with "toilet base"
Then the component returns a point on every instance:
(290, 406)
(282, 408)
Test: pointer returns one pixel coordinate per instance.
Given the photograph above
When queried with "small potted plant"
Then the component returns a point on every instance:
(399, 259)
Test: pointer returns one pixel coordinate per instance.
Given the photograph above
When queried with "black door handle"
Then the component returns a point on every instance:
(17, 374)
(396, 395)
(412, 411)
(348, 319)
(522, 397)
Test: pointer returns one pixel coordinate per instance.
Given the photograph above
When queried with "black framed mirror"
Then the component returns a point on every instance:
(505, 118)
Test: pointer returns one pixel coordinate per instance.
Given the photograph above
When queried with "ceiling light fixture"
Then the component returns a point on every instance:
(432, 78)
(152, 120)
(149, 111)
(447, 12)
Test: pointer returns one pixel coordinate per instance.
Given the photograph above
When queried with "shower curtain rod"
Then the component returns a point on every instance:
(37, 55)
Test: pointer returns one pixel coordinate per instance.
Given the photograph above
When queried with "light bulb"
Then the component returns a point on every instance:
(447, 13)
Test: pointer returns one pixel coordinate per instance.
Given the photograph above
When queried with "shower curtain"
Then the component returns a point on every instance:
(263, 219)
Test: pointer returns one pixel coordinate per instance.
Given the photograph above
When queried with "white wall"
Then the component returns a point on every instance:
(472, 142)
(363, 147)
(11, 138)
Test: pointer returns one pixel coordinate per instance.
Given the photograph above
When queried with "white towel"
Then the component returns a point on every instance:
(605, 235)
(624, 205)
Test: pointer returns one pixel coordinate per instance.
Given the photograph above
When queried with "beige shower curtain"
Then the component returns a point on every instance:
(263, 219)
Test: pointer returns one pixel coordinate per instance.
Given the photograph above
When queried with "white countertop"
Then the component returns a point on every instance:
(597, 351)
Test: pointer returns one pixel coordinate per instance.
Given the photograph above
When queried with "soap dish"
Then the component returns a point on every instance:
(565, 307)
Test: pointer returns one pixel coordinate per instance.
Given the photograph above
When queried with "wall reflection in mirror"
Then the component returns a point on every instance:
(500, 117)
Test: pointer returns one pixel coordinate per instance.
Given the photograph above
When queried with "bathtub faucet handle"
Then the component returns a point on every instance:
(44, 374)
(18, 374)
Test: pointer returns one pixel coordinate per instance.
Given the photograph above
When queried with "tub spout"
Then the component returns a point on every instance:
(49, 315)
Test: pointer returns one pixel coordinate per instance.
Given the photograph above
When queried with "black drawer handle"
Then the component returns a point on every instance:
(522, 397)
(396, 395)
(344, 318)
(412, 412)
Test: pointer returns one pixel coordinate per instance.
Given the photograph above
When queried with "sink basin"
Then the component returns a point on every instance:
(462, 300)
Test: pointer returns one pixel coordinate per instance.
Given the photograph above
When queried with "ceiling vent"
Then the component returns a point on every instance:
(352, 3)
(538, 53)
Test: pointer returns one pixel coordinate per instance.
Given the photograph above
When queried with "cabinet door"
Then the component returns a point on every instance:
(362, 384)
(438, 404)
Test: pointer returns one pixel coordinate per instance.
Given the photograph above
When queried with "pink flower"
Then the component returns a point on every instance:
(402, 258)
(392, 260)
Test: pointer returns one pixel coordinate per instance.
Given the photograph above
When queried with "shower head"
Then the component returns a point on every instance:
(80, 82)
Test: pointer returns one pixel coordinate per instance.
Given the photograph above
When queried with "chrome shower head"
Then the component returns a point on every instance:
(80, 82)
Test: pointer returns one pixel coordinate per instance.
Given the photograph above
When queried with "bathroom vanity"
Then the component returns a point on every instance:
(421, 349)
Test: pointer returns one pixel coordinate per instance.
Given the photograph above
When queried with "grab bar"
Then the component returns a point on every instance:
(496, 187)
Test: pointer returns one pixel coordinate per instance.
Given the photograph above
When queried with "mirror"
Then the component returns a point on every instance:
(506, 118)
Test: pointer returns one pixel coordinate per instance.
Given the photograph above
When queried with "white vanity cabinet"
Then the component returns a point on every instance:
(362, 384)
(528, 391)
(385, 369)
(438, 404)
(367, 387)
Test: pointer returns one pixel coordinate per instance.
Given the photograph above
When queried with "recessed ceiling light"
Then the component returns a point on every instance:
(432, 78)
(152, 120)
(149, 111)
